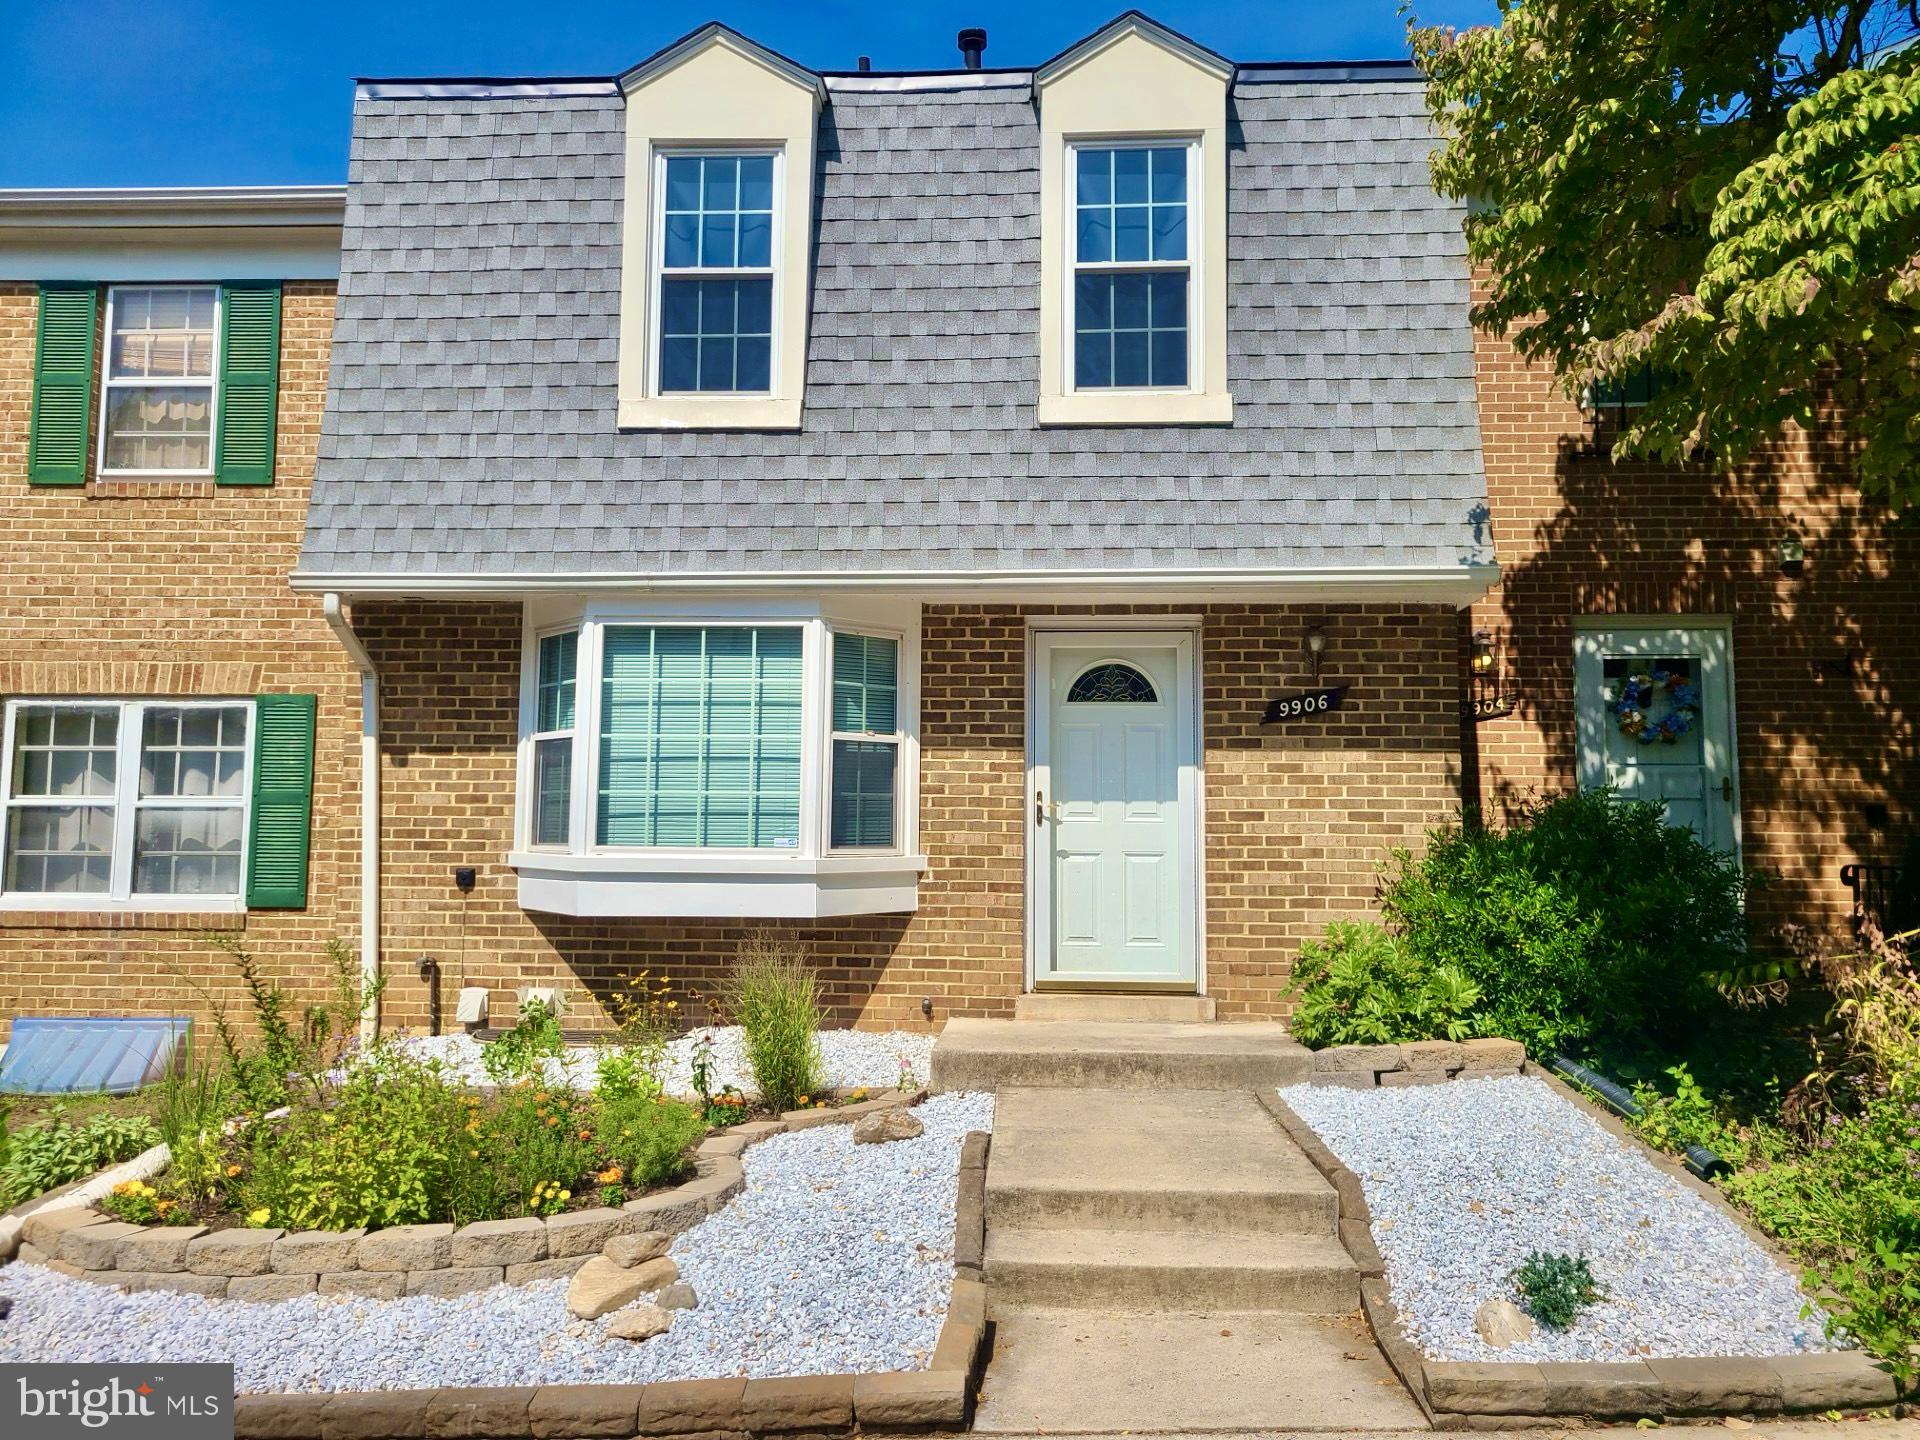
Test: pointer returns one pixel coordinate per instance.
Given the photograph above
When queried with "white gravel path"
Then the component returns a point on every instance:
(834, 1259)
(1464, 1179)
(849, 1057)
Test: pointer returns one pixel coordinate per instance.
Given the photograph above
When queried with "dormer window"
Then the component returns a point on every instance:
(716, 275)
(1131, 271)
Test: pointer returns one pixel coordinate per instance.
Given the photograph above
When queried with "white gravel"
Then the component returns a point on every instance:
(1464, 1179)
(850, 1058)
(834, 1259)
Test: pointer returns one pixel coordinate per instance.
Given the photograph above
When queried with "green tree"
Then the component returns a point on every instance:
(1721, 193)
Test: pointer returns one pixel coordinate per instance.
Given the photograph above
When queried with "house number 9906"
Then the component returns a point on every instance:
(1299, 707)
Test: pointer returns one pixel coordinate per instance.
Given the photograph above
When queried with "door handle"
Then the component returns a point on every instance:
(1039, 807)
(1726, 788)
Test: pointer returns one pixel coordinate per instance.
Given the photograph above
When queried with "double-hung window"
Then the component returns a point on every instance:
(157, 406)
(716, 272)
(1132, 271)
(553, 738)
(865, 759)
(125, 800)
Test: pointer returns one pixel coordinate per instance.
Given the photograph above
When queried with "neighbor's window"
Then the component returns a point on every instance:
(1131, 272)
(553, 739)
(866, 742)
(125, 798)
(716, 274)
(699, 736)
(157, 409)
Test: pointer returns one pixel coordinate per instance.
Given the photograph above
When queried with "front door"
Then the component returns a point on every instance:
(1656, 722)
(1115, 790)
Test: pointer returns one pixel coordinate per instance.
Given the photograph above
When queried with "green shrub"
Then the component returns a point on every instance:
(1585, 918)
(381, 1149)
(646, 1140)
(1554, 1289)
(521, 1052)
(193, 1108)
(56, 1152)
(1362, 986)
(773, 997)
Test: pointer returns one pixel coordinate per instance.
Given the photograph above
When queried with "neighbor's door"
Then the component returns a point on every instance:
(1114, 794)
(1655, 721)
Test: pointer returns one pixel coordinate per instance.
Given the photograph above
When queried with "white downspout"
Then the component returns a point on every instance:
(369, 807)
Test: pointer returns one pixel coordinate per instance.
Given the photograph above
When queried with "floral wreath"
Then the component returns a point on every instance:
(1636, 696)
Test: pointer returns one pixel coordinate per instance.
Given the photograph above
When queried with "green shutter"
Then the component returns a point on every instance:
(282, 802)
(249, 382)
(62, 384)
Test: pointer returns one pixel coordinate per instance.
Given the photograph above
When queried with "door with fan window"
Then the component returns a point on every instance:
(1655, 721)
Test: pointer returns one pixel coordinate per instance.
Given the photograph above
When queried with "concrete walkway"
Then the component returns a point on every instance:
(1160, 1256)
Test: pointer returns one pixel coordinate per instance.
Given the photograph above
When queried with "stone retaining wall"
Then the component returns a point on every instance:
(275, 1264)
(1460, 1395)
(1418, 1062)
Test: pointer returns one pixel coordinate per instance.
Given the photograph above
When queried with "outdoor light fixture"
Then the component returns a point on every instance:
(1316, 639)
(1481, 662)
(1791, 552)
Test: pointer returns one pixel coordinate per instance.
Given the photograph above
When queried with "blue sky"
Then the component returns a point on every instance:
(253, 92)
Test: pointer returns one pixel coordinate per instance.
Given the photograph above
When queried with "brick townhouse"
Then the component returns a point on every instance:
(1012, 530)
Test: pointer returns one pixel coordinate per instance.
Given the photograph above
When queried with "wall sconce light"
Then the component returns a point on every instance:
(1480, 661)
(1488, 696)
(1791, 552)
(1316, 640)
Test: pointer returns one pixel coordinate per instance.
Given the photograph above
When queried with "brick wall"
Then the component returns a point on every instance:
(1826, 663)
(1297, 816)
(174, 588)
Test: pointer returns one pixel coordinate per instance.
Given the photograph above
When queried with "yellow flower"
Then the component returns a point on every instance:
(260, 1216)
(566, 1195)
(232, 1170)
(473, 1154)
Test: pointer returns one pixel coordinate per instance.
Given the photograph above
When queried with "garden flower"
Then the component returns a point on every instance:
(232, 1170)
(566, 1195)
(260, 1216)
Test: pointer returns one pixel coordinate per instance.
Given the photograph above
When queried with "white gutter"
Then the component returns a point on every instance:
(369, 806)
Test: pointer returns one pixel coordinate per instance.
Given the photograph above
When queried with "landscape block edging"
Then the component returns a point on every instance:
(1463, 1394)
(274, 1264)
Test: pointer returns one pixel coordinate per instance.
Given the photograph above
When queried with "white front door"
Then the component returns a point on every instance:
(1655, 721)
(1115, 792)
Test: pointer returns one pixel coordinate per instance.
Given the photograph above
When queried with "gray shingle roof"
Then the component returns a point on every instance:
(471, 429)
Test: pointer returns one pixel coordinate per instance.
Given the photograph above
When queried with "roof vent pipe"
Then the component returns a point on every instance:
(972, 42)
(864, 64)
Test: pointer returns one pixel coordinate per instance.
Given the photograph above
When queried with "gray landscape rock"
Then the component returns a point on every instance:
(835, 1259)
(677, 1297)
(885, 1125)
(600, 1286)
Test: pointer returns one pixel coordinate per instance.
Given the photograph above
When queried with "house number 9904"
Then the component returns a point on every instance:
(1299, 707)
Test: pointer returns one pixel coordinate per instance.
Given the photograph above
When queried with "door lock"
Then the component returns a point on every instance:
(1039, 807)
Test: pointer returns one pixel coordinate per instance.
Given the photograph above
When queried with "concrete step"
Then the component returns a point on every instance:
(1068, 1159)
(1001, 1054)
(1053, 1005)
(1169, 1270)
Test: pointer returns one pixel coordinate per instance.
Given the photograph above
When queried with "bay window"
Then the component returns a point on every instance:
(750, 765)
(125, 801)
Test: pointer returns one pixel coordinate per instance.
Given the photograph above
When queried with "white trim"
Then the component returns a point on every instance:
(126, 805)
(1192, 267)
(1117, 30)
(705, 38)
(938, 80)
(483, 89)
(657, 273)
(1190, 743)
(169, 206)
(588, 878)
(109, 383)
(1453, 584)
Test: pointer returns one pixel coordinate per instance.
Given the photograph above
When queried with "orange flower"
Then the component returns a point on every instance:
(612, 1175)
(232, 1170)
(586, 1134)
(552, 1120)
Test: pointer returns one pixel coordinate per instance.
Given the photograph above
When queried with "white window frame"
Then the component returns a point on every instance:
(1193, 265)
(657, 270)
(809, 879)
(108, 384)
(895, 737)
(126, 804)
(571, 735)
